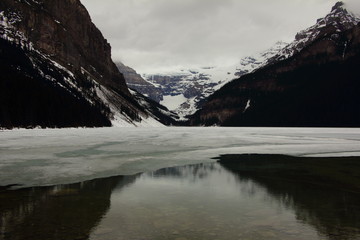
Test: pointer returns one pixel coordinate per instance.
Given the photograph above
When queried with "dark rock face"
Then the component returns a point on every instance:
(29, 99)
(63, 30)
(319, 86)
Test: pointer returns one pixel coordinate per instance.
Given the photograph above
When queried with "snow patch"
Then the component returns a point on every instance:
(9, 33)
(344, 52)
(247, 105)
(173, 102)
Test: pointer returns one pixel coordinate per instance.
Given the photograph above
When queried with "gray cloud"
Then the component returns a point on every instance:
(353, 5)
(160, 34)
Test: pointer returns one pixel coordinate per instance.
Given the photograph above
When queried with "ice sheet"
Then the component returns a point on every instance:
(57, 156)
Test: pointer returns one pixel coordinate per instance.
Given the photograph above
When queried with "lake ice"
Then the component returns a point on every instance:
(41, 157)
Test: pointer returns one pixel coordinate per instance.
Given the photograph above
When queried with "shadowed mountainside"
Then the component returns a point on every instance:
(317, 86)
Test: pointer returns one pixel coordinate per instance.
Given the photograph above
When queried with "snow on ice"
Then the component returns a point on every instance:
(57, 156)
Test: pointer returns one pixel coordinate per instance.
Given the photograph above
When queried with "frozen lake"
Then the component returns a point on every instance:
(57, 156)
(164, 183)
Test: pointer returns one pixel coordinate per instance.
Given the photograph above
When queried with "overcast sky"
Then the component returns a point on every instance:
(156, 35)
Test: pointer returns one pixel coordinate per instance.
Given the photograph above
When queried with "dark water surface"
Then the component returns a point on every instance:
(224, 200)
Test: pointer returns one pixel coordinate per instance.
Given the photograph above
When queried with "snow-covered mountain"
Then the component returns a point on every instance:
(56, 70)
(184, 91)
(314, 81)
(338, 20)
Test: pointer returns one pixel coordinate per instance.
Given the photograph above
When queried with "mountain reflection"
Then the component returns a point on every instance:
(242, 197)
(190, 172)
(320, 199)
(59, 212)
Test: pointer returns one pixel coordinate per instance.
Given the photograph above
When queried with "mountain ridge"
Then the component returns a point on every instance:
(315, 87)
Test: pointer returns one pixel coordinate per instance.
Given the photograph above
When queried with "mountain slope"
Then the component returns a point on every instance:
(315, 86)
(61, 73)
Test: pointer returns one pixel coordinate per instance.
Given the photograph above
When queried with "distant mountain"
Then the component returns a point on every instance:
(182, 91)
(185, 90)
(56, 70)
(314, 81)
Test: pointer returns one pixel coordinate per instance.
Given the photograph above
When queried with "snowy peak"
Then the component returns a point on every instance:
(337, 21)
(339, 6)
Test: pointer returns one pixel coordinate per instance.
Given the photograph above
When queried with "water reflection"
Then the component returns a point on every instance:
(206, 201)
(58, 212)
(190, 173)
(198, 202)
(322, 192)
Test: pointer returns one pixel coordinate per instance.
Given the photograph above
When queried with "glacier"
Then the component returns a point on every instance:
(43, 157)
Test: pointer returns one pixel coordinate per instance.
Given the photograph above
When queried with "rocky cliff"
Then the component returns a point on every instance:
(55, 47)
